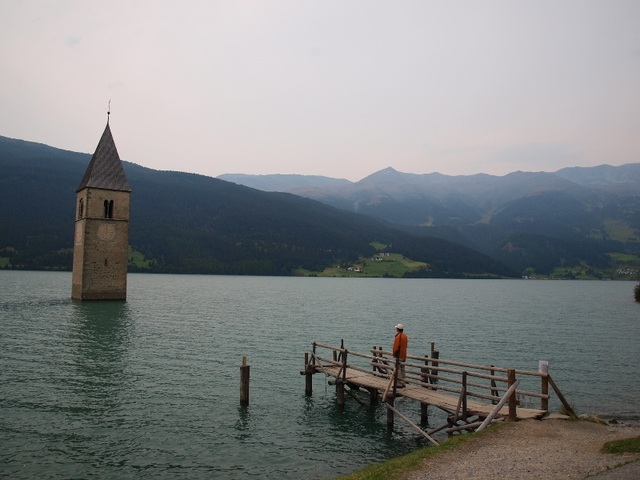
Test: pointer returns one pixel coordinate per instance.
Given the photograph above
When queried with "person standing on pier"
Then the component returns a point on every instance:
(400, 351)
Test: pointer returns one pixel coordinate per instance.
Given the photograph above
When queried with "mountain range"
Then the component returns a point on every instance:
(529, 220)
(188, 223)
(585, 219)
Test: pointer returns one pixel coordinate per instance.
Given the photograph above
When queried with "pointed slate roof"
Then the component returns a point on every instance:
(105, 169)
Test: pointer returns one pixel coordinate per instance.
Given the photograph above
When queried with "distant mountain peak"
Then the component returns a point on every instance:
(384, 176)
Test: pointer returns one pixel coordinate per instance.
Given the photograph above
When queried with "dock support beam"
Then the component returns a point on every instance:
(373, 393)
(424, 413)
(390, 399)
(340, 393)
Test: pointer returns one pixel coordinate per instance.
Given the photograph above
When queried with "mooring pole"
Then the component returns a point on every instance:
(308, 380)
(244, 382)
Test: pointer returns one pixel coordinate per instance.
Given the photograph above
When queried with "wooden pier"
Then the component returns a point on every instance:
(473, 396)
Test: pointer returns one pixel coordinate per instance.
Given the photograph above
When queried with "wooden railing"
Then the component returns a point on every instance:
(489, 383)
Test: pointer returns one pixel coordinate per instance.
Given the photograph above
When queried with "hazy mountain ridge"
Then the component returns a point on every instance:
(526, 219)
(436, 199)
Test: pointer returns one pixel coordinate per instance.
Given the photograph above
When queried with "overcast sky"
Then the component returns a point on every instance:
(336, 88)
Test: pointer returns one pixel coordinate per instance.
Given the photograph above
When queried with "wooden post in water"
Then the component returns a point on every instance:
(511, 379)
(308, 381)
(244, 383)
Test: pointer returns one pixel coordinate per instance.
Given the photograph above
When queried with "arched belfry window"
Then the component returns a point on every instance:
(81, 208)
(108, 209)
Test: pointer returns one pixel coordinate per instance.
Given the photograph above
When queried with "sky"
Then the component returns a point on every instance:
(337, 88)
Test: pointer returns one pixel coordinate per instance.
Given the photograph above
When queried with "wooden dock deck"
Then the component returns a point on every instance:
(429, 396)
(473, 396)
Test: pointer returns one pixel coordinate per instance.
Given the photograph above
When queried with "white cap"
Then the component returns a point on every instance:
(399, 326)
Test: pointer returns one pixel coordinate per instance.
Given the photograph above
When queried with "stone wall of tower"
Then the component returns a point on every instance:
(101, 245)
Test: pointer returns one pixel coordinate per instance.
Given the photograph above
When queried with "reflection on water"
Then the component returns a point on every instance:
(100, 335)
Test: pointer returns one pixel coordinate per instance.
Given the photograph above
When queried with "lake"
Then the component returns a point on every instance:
(150, 387)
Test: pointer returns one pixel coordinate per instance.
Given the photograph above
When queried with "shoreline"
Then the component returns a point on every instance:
(530, 449)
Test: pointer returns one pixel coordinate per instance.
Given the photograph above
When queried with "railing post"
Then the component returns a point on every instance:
(424, 407)
(434, 363)
(340, 382)
(425, 370)
(544, 384)
(308, 384)
(494, 391)
(464, 396)
(375, 356)
(344, 366)
(511, 379)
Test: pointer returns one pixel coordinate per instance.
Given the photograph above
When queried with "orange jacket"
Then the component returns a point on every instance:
(400, 346)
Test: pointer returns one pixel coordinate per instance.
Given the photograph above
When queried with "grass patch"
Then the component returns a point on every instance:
(394, 265)
(137, 259)
(4, 262)
(578, 272)
(398, 467)
(620, 231)
(624, 260)
(378, 246)
(626, 445)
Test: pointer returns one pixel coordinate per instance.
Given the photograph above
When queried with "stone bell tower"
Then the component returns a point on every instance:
(101, 244)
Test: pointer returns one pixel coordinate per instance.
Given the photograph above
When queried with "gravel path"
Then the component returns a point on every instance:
(532, 449)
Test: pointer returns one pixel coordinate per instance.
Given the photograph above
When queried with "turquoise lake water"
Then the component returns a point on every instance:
(150, 387)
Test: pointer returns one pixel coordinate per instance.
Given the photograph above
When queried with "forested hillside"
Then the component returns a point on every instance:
(186, 223)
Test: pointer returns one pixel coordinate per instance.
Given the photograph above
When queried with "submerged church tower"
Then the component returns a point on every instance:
(101, 244)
